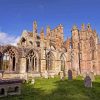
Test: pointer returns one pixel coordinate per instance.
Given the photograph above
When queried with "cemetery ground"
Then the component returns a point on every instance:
(56, 89)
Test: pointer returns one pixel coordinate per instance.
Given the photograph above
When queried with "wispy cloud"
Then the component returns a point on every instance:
(5, 38)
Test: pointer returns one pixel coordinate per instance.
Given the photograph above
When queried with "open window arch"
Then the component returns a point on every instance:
(63, 61)
(32, 61)
(50, 61)
(92, 46)
(23, 41)
(31, 43)
(9, 59)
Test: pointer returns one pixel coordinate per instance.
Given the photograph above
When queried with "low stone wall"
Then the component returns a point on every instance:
(21, 76)
(10, 87)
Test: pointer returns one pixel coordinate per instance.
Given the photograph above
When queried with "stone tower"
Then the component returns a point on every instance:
(88, 48)
(75, 49)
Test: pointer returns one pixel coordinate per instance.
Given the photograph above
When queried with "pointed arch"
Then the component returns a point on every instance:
(63, 61)
(9, 58)
(92, 43)
(23, 41)
(32, 61)
(50, 61)
(92, 46)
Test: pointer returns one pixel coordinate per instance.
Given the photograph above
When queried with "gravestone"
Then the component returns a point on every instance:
(69, 75)
(88, 81)
(61, 75)
(46, 74)
(92, 76)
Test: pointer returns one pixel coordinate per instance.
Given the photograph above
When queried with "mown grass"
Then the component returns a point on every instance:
(56, 89)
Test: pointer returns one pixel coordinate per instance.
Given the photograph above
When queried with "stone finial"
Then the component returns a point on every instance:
(83, 27)
(24, 33)
(61, 28)
(42, 30)
(48, 29)
(94, 31)
(60, 25)
(35, 27)
(74, 27)
(89, 26)
(42, 33)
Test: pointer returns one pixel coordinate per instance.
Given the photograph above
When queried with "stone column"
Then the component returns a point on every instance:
(30, 65)
(23, 65)
(34, 64)
(43, 65)
(10, 65)
(43, 60)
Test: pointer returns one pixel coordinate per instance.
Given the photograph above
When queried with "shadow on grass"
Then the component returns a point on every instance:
(60, 90)
(75, 90)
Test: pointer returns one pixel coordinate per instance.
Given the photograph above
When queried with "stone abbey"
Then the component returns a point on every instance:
(37, 53)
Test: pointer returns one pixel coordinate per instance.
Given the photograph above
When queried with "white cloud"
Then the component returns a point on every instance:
(8, 39)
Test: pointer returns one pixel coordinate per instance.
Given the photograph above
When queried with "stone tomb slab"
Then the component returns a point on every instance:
(10, 87)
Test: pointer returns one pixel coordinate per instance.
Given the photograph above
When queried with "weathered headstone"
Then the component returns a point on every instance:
(88, 81)
(46, 74)
(61, 75)
(92, 76)
(69, 75)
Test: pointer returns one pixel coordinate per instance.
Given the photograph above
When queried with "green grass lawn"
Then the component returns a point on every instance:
(55, 89)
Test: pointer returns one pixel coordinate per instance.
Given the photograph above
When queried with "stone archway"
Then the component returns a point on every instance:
(50, 61)
(8, 58)
(63, 62)
(32, 61)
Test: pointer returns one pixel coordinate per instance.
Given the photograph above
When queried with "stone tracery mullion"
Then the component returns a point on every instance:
(10, 66)
(32, 61)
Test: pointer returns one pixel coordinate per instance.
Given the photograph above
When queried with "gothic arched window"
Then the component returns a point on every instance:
(92, 44)
(31, 62)
(62, 63)
(9, 60)
(92, 54)
(50, 61)
(23, 41)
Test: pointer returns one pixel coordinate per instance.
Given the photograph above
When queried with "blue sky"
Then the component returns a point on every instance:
(17, 15)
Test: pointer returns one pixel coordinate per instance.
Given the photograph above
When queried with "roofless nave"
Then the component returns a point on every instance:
(35, 54)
